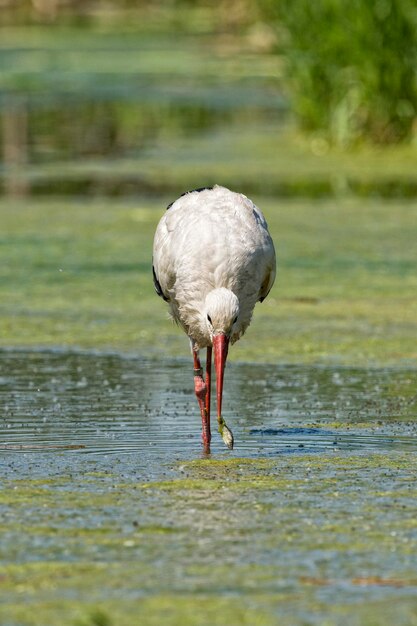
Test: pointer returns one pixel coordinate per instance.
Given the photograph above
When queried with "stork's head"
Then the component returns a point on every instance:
(222, 314)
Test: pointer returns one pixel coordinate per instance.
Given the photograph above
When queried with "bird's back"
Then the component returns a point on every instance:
(208, 239)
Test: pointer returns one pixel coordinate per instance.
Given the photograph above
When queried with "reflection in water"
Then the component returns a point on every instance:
(109, 404)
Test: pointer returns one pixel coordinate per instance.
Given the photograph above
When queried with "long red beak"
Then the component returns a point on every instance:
(221, 345)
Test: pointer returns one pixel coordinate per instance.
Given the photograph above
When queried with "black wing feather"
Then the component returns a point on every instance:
(263, 293)
(157, 286)
(186, 192)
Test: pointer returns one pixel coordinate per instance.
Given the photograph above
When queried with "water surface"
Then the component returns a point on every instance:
(110, 514)
(104, 405)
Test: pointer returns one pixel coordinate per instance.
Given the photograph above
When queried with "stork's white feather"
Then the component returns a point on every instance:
(214, 259)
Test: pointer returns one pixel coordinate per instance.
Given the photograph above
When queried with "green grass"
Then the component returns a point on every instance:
(78, 274)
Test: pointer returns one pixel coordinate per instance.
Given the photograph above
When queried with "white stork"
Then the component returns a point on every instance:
(213, 259)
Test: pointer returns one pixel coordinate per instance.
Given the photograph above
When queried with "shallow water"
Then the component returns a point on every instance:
(108, 504)
(106, 405)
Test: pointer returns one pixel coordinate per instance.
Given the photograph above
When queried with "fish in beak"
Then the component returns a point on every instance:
(221, 345)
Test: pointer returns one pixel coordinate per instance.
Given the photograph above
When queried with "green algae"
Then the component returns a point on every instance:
(174, 610)
(139, 531)
(77, 274)
(242, 541)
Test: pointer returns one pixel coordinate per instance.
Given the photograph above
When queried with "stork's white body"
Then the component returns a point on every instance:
(213, 259)
(207, 240)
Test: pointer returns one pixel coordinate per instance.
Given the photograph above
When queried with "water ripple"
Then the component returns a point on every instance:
(106, 404)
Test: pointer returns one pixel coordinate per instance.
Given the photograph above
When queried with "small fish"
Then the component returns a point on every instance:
(226, 433)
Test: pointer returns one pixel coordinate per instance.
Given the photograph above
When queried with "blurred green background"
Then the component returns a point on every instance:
(109, 110)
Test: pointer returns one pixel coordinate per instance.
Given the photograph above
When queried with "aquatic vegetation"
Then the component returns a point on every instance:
(299, 524)
(311, 519)
(77, 274)
(244, 539)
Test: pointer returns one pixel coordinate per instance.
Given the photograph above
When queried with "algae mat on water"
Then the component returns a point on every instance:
(78, 273)
(295, 540)
(310, 521)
